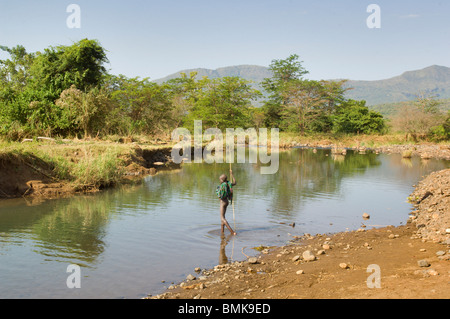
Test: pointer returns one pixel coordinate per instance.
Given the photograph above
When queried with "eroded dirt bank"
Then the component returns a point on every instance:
(412, 261)
(23, 174)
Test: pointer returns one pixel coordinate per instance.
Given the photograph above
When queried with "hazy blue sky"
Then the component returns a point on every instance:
(155, 38)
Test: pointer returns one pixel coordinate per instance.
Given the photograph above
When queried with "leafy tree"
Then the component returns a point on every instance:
(257, 117)
(303, 104)
(284, 72)
(14, 77)
(333, 94)
(80, 64)
(82, 111)
(222, 103)
(31, 83)
(15, 72)
(355, 117)
(183, 95)
(298, 104)
(146, 104)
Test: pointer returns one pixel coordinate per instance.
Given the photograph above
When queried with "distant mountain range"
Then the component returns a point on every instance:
(434, 79)
(253, 73)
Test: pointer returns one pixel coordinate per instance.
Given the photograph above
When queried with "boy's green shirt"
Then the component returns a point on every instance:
(224, 192)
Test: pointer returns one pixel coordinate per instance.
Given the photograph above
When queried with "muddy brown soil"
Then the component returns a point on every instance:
(20, 177)
(341, 270)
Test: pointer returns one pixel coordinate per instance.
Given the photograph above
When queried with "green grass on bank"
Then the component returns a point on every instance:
(83, 165)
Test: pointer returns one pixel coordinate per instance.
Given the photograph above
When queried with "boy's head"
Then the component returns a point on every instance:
(223, 178)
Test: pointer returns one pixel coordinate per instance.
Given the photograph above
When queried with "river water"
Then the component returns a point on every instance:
(137, 240)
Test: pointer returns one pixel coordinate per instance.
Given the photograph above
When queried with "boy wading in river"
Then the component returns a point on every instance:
(225, 193)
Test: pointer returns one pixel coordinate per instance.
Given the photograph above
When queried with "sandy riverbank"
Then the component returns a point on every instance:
(283, 273)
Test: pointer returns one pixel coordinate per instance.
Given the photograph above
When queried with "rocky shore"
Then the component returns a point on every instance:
(424, 150)
(431, 199)
(330, 266)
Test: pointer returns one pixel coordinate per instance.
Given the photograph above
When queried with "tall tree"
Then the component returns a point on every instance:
(283, 73)
(304, 101)
(222, 103)
(183, 95)
(146, 104)
(427, 103)
(80, 64)
(15, 72)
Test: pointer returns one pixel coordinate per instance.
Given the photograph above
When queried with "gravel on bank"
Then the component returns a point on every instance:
(425, 151)
(431, 200)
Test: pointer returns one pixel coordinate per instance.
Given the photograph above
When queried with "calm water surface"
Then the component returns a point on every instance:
(128, 240)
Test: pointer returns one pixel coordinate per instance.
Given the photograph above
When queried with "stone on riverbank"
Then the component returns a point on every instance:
(423, 263)
(190, 277)
(308, 256)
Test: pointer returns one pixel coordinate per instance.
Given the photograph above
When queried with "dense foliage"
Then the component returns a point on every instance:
(66, 91)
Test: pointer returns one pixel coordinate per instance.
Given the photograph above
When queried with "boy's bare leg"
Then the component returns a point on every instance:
(223, 210)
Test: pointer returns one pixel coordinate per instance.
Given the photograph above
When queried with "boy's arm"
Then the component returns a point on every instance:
(232, 178)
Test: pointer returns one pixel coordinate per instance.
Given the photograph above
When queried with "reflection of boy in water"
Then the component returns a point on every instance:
(223, 259)
(224, 202)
